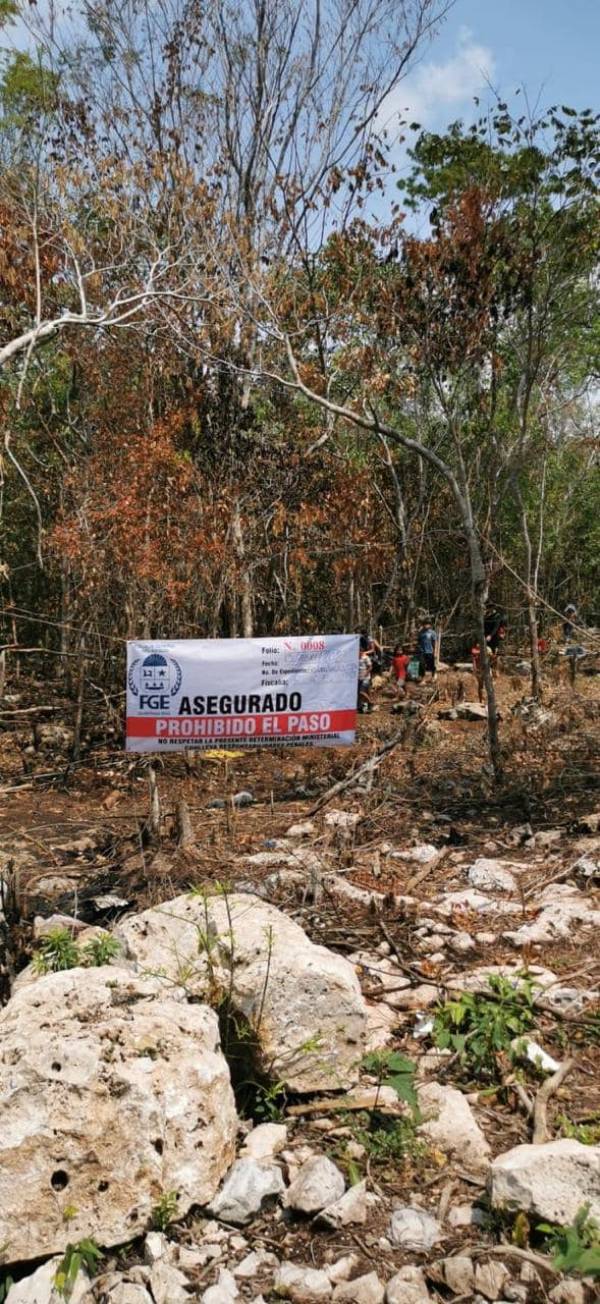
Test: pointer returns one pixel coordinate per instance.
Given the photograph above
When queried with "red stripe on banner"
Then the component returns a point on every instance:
(288, 723)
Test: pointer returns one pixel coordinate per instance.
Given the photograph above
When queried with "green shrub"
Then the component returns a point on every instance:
(575, 1248)
(479, 1026)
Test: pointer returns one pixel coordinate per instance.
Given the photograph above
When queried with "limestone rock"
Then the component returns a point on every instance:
(563, 908)
(342, 1269)
(168, 1284)
(449, 1123)
(350, 1209)
(39, 1288)
(303, 830)
(464, 711)
(363, 1290)
(457, 1273)
(41, 926)
(318, 1184)
(421, 854)
(304, 1000)
(491, 876)
(568, 1292)
(471, 899)
(115, 1289)
(414, 1229)
(465, 1215)
(302, 1284)
(381, 1022)
(246, 1188)
(415, 998)
(490, 1278)
(224, 1291)
(407, 1287)
(156, 1247)
(111, 1093)
(551, 1181)
(343, 823)
(253, 1263)
(264, 1141)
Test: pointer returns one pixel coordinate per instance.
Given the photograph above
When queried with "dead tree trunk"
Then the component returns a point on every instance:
(152, 825)
(532, 620)
(480, 585)
(185, 832)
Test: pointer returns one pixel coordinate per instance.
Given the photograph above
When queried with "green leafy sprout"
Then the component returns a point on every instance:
(479, 1026)
(58, 951)
(165, 1211)
(393, 1070)
(84, 1254)
(576, 1248)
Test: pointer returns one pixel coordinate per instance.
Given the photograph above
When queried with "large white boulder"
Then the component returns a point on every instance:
(551, 1181)
(302, 1001)
(112, 1094)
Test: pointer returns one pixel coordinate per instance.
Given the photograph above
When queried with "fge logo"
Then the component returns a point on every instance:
(154, 681)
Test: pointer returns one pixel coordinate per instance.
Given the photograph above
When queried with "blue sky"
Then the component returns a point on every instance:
(551, 48)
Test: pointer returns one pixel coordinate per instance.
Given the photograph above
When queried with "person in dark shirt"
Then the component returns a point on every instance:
(495, 626)
(570, 621)
(373, 650)
(427, 642)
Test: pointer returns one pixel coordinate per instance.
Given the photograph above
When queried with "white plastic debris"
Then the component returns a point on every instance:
(532, 1051)
(423, 1026)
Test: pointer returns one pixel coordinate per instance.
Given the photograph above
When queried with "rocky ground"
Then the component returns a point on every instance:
(340, 1045)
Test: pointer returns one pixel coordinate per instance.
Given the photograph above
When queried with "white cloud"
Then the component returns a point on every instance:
(436, 92)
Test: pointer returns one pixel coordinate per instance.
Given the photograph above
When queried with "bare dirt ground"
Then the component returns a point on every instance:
(73, 835)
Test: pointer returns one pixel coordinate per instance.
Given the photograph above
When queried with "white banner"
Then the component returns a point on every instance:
(243, 692)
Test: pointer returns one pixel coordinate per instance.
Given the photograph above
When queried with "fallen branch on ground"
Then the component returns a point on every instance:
(541, 1131)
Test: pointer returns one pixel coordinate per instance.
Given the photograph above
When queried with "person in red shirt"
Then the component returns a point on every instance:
(399, 667)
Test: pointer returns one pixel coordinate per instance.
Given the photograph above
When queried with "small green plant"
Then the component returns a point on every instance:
(6, 1282)
(270, 1102)
(479, 1026)
(386, 1138)
(57, 951)
(84, 1254)
(100, 950)
(393, 1070)
(165, 1211)
(575, 1248)
(587, 1133)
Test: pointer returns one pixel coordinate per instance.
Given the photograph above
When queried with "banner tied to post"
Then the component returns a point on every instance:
(249, 692)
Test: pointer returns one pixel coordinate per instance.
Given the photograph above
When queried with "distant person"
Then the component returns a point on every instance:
(495, 629)
(400, 663)
(543, 642)
(374, 649)
(364, 681)
(427, 641)
(477, 670)
(571, 618)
